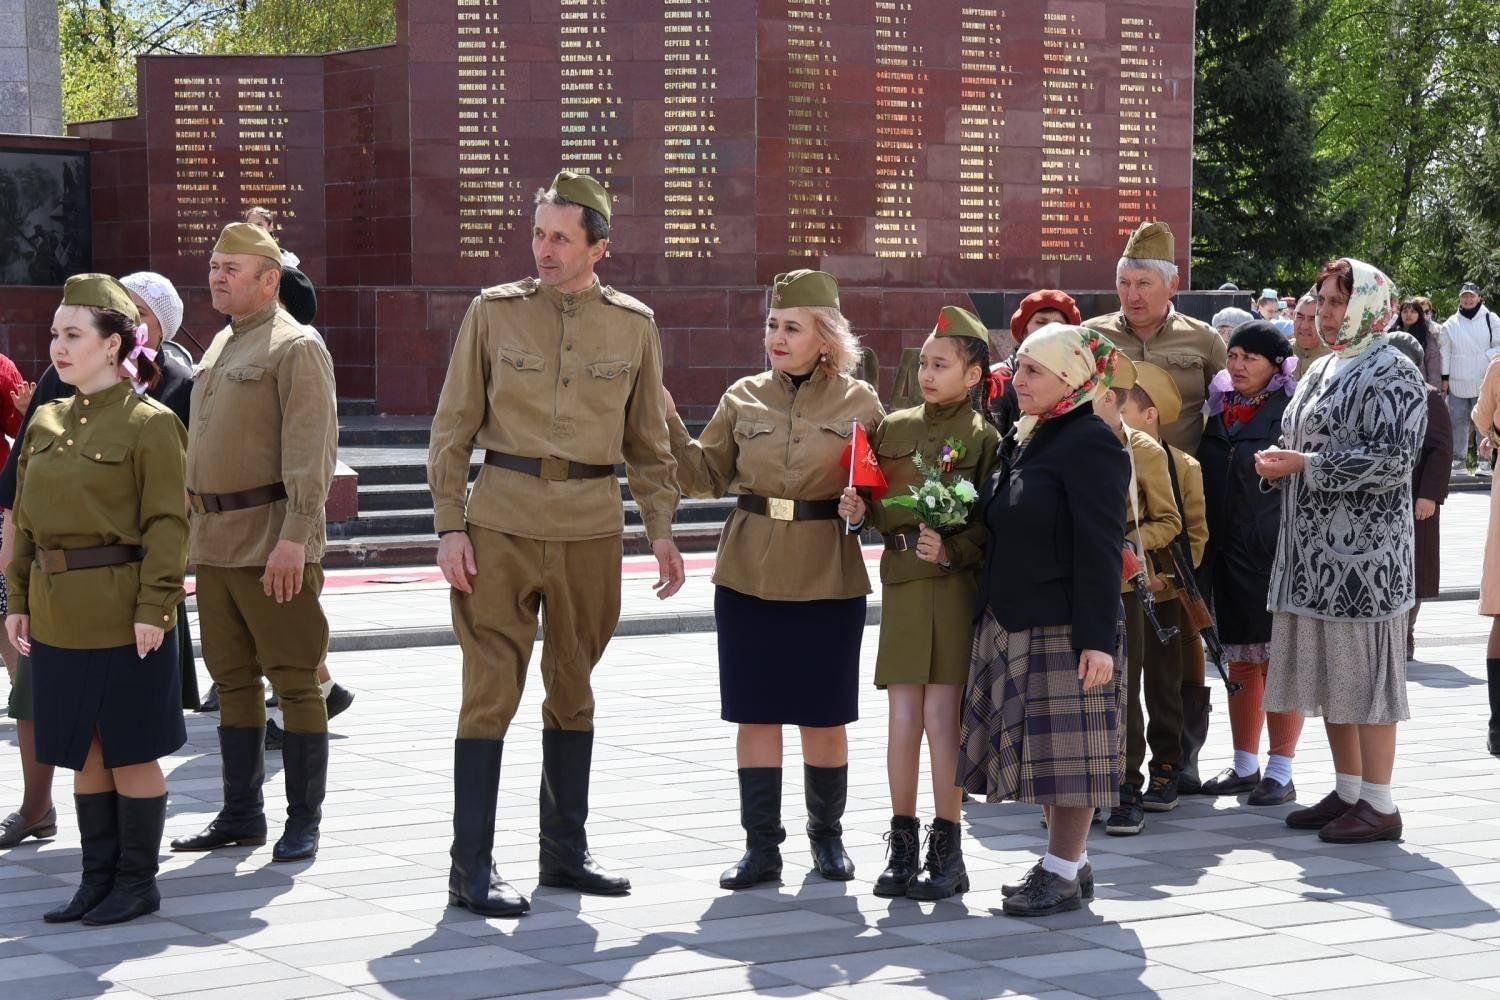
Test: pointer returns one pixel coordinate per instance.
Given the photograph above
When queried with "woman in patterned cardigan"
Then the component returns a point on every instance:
(1343, 580)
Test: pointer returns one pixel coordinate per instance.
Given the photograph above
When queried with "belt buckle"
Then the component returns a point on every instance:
(903, 542)
(780, 509)
(196, 503)
(52, 560)
(554, 470)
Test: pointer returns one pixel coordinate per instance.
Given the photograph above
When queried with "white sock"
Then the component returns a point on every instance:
(326, 687)
(1083, 859)
(274, 715)
(1245, 763)
(1378, 796)
(1347, 785)
(1061, 868)
(1279, 769)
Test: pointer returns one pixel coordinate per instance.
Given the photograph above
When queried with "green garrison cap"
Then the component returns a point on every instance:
(1152, 241)
(956, 322)
(241, 237)
(101, 291)
(804, 288)
(581, 189)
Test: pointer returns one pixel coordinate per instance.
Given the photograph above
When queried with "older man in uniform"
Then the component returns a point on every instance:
(1307, 342)
(1147, 328)
(558, 379)
(260, 460)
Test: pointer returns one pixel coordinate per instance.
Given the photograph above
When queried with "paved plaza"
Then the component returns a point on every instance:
(1213, 900)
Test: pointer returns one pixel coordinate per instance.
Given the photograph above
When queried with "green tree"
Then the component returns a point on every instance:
(1260, 209)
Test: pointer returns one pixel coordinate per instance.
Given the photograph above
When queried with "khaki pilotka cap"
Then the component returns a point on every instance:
(242, 237)
(955, 322)
(1152, 241)
(804, 288)
(1123, 376)
(102, 292)
(1156, 383)
(581, 189)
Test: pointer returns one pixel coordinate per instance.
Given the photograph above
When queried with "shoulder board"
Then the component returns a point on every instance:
(514, 290)
(626, 302)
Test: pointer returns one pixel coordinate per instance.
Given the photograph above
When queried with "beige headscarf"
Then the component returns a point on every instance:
(1084, 359)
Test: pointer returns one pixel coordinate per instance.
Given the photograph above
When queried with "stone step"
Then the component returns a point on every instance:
(375, 431)
(418, 520)
(421, 549)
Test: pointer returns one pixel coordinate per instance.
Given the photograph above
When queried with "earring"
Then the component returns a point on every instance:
(823, 356)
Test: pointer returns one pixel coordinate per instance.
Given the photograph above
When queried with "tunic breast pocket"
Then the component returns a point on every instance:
(1186, 370)
(895, 460)
(522, 361)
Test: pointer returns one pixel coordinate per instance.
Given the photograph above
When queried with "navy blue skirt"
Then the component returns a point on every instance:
(790, 663)
(134, 705)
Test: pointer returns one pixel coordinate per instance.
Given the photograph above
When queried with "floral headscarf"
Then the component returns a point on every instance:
(1371, 307)
(1084, 359)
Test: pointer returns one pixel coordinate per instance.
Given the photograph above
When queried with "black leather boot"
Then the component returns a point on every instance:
(99, 833)
(827, 790)
(760, 815)
(1196, 705)
(242, 820)
(565, 862)
(1492, 672)
(943, 874)
(473, 882)
(135, 894)
(305, 767)
(902, 853)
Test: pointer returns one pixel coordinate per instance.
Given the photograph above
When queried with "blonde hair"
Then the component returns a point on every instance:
(840, 345)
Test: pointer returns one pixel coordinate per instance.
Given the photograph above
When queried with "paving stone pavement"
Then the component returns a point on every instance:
(1213, 900)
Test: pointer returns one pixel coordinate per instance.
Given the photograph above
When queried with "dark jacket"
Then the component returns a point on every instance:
(174, 391)
(1243, 522)
(1430, 482)
(1058, 508)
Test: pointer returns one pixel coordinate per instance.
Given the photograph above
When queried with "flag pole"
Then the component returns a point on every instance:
(853, 457)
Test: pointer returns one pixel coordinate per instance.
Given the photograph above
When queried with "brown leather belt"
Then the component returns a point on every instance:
(902, 541)
(554, 470)
(223, 503)
(790, 510)
(63, 560)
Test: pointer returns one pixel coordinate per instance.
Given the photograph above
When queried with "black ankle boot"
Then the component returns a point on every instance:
(99, 831)
(902, 853)
(1492, 672)
(1197, 703)
(760, 815)
(135, 894)
(242, 820)
(473, 882)
(565, 863)
(827, 791)
(943, 875)
(304, 765)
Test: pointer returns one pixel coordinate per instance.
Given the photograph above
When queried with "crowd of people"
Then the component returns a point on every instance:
(1066, 535)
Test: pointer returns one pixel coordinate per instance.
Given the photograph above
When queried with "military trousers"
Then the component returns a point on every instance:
(247, 636)
(1155, 671)
(574, 587)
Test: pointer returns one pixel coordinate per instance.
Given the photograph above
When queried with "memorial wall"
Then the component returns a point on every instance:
(920, 150)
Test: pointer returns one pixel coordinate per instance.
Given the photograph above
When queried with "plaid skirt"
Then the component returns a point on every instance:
(1030, 732)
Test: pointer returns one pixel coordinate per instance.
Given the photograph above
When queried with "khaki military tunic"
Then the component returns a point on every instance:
(546, 374)
(101, 469)
(927, 611)
(1194, 512)
(1160, 521)
(770, 438)
(1189, 350)
(1307, 355)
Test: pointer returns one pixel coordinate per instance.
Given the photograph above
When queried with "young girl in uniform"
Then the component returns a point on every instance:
(929, 585)
(95, 583)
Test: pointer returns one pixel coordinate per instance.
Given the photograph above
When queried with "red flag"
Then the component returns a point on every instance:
(866, 469)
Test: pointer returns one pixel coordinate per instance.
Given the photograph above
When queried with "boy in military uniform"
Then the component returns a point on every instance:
(1152, 521)
(558, 379)
(261, 454)
(1179, 711)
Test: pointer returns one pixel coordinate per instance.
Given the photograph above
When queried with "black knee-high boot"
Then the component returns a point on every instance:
(1492, 671)
(99, 831)
(827, 790)
(135, 894)
(473, 881)
(760, 815)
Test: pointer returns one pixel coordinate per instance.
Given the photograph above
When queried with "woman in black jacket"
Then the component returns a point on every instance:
(1245, 405)
(1043, 706)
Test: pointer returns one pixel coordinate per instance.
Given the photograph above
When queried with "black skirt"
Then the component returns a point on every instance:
(792, 663)
(134, 705)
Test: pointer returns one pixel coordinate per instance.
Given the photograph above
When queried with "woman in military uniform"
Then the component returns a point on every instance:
(96, 578)
(929, 588)
(790, 579)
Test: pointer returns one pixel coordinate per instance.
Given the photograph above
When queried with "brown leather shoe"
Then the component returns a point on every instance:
(1318, 816)
(1362, 824)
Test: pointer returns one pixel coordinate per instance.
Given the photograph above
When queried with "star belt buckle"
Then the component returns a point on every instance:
(781, 509)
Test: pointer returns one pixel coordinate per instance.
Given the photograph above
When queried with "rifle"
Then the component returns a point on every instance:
(1134, 571)
(1196, 607)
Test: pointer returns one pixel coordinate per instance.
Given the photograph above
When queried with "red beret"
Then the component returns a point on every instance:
(1047, 298)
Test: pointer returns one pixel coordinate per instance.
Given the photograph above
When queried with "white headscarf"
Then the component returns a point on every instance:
(161, 297)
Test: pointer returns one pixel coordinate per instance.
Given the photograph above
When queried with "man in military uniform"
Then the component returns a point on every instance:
(260, 460)
(1147, 328)
(1307, 342)
(558, 379)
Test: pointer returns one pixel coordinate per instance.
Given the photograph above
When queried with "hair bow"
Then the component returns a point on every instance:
(139, 350)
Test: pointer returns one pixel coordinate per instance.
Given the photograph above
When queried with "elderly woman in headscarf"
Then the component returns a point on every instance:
(1226, 321)
(1344, 578)
(1045, 699)
(1044, 306)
